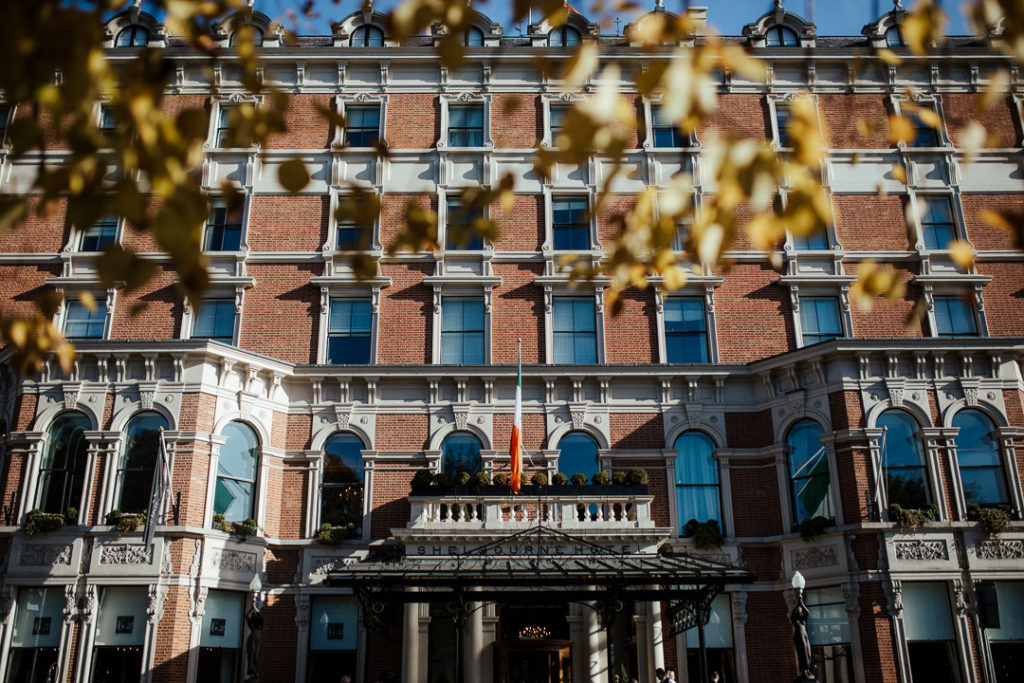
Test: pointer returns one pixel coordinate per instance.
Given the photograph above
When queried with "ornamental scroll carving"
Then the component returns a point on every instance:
(322, 566)
(45, 555)
(235, 561)
(999, 550)
(921, 550)
(809, 558)
(125, 554)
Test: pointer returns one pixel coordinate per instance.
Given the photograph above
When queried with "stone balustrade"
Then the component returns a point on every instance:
(577, 512)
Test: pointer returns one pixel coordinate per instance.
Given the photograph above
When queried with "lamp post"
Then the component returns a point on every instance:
(805, 671)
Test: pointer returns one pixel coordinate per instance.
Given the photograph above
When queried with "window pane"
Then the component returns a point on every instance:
(570, 227)
(223, 230)
(142, 444)
(62, 478)
(236, 473)
(926, 614)
(367, 36)
(903, 460)
(977, 452)
(819, 319)
(827, 623)
(937, 226)
(81, 323)
(686, 339)
(335, 624)
(349, 330)
(665, 132)
(100, 234)
(780, 36)
(459, 221)
(362, 125)
(466, 125)
(474, 37)
(718, 631)
(808, 471)
(577, 452)
(783, 114)
(924, 135)
(815, 242)
(462, 330)
(215, 320)
(460, 451)
(954, 317)
(556, 115)
(574, 336)
(341, 499)
(696, 479)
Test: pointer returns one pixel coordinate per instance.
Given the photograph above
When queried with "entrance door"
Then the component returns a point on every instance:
(533, 661)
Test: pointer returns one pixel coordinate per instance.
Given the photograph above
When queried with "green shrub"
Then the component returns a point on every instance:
(579, 479)
(705, 535)
(71, 516)
(126, 524)
(462, 477)
(243, 529)
(38, 522)
(422, 478)
(333, 535)
(813, 527)
(481, 479)
(619, 478)
(524, 479)
(539, 478)
(559, 479)
(993, 520)
(501, 479)
(909, 519)
(443, 479)
(600, 478)
(637, 476)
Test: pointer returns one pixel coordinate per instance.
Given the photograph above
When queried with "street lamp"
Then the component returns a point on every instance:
(805, 671)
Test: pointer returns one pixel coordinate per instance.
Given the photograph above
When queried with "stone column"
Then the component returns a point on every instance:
(597, 648)
(410, 643)
(472, 651)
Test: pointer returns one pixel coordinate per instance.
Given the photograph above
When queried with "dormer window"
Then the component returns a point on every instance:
(132, 36)
(257, 37)
(781, 36)
(473, 37)
(564, 36)
(893, 37)
(367, 36)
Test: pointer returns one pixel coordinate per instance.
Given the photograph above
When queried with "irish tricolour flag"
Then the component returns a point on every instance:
(515, 449)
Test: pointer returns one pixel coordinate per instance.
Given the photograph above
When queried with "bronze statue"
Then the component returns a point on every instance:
(800, 639)
(252, 645)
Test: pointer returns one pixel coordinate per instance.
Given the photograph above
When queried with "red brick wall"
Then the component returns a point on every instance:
(521, 227)
(632, 430)
(962, 108)
(281, 313)
(631, 336)
(755, 480)
(402, 432)
(870, 222)
(1004, 298)
(516, 120)
(306, 127)
(288, 223)
(413, 121)
(390, 507)
(888, 318)
(981, 234)
(45, 233)
(769, 637)
(517, 312)
(744, 115)
(840, 115)
(406, 315)
(876, 636)
(752, 315)
(151, 312)
(170, 656)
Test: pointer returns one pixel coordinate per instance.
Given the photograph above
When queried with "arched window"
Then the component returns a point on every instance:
(577, 452)
(135, 474)
(893, 37)
(341, 493)
(977, 452)
(781, 36)
(697, 494)
(235, 495)
(903, 465)
(460, 451)
(473, 37)
(257, 36)
(564, 36)
(132, 36)
(809, 475)
(62, 475)
(367, 36)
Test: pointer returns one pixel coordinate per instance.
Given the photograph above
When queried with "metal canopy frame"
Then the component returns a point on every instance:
(541, 563)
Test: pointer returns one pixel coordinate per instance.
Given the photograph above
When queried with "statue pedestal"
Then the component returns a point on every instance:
(805, 679)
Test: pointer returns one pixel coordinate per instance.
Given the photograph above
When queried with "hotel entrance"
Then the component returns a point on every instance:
(533, 645)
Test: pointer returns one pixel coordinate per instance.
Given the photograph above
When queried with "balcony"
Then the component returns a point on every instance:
(574, 509)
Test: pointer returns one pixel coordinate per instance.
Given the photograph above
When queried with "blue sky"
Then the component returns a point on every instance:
(833, 17)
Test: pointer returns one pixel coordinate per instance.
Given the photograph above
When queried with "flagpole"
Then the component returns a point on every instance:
(516, 445)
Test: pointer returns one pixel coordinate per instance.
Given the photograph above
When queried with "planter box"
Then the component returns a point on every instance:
(530, 490)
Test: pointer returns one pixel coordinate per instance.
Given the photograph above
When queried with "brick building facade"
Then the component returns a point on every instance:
(759, 398)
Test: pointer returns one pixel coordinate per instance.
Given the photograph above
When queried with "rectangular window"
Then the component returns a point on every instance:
(215, 320)
(466, 125)
(220, 637)
(819, 319)
(574, 330)
(783, 121)
(36, 633)
(362, 125)
(100, 234)
(348, 333)
(817, 241)
(224, 229)
(462, 330)
(924, 135)
(718, 643)
(828, 629)
(81, 323)
(570, 228)
(222, 136)
(120, 633)
(1006, 640)
(349, 233)
(108, 121)
(686, 330)
(557, 114)
(666, 133)
(954, 317)
(459, 233)
(332, 637)
(931, 641)
(937, 226)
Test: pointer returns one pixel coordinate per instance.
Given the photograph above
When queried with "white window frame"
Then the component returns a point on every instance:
(342, 102)
(917, 200)
(105, 299)
(696, 286)
(561, 289)
(78, 235)
(217, 201)
(648, 141)
(444, 194)
(465, 98)
(483, 292)
(550, 195)
(5, 122)
(337, 197)
(833, 287)
(337, 288)
(548, 102)
(921, 100)
(189, 315)
(216, 105)
(933, 287)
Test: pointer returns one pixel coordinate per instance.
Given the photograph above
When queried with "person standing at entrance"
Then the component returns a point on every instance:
(659, 675)
(670, 676)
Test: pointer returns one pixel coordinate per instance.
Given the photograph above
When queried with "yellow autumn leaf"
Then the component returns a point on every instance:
(900, 130)
(962, 253)
(899, 173)
(889, 57)
(88, 300)
(582, 65)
